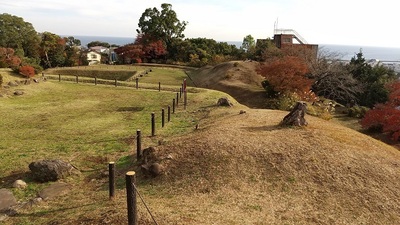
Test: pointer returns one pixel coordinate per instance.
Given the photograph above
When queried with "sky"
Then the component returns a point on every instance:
(340, 22)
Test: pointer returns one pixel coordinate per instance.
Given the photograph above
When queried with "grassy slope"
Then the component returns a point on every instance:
(251, 171)
(238, 79)
(236, 169)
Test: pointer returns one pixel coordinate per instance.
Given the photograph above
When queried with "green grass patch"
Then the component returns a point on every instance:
(78, 122)
(118, 74)
(165, 76)
(8, 75)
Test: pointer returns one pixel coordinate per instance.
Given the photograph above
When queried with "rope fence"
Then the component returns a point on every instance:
(130, 177)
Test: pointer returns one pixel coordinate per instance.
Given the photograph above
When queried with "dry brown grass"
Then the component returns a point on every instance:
(244, 169)
(240, 81)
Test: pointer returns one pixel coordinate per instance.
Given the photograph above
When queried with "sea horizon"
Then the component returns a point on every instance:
(346, 52)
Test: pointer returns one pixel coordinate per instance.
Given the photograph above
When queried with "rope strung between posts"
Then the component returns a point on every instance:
(144, 203)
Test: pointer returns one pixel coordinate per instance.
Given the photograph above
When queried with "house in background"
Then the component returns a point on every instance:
(99, 49)
(93, 58)
(283, 38)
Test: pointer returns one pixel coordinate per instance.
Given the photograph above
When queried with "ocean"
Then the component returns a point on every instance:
(346, 52)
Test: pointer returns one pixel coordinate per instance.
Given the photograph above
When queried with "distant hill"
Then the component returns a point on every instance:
(237, 78)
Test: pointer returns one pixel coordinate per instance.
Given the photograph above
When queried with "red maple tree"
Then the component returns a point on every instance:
(8, 59)
(145, 48)
(386, 117)
(287, 74)
(27, 71)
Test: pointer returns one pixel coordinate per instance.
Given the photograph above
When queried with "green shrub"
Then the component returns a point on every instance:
(357, 111)
(319, 111)
(269, 89)
(286, 101)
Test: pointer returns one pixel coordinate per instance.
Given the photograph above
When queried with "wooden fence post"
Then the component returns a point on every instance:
(115, 82)
(137, 82)
(59, 77)
(169, 113)
(180, 92)
(184, 94)
(162, 117)
(138, 144)
(76, 78)
(159, 86)
(131, 197)
(95, 80)
(184, 100)
(173, 105)
(177, 98)
(153, 125)
(111, 174)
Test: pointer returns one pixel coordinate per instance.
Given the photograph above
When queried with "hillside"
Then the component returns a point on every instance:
(237, 78)
(244, 169)
(234, 169)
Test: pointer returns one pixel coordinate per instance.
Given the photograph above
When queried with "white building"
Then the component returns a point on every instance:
(93, 58)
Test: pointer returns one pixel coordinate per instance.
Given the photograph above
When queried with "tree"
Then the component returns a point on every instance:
(373, 79)
(152, 48)
(360, 69)
(163, 25)
(263, 46)
(287, 75)
(8, 59)
(386, 117)
(19, 35)
(27, 71)
(52, 50)
(130, 53)
(332, 80)
(144, 49)
(249, 46)
(248, 43)
(72, 42)
(98, 43)
(71, 51)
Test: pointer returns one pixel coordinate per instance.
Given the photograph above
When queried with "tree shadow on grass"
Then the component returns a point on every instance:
(7, 181)
(263, 128)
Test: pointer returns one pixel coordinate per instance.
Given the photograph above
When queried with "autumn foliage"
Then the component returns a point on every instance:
(386, 117)
(8, 59)
(27, 71)
(145, 49)
(287, 74)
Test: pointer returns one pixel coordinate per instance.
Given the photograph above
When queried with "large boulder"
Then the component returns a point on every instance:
(296, 116)
(51, 170)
